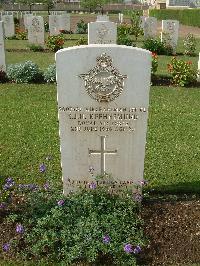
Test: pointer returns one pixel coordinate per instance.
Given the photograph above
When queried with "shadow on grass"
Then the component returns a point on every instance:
(189, 188)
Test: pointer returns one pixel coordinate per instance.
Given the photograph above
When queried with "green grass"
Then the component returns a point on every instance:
(29, 132)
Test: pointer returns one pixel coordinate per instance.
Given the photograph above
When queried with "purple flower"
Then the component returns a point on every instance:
(6, 247)
(137, 250)
(2, 205)
(46, 186)
(8, 186)
(143, 182)
(42, 168)
(92, 185)
(106, 239)
(9, 180)
(128, 248)
(20, 229)
(138, 197)
(61, 202)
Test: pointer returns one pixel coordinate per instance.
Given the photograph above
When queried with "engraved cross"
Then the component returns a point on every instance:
(103, 153)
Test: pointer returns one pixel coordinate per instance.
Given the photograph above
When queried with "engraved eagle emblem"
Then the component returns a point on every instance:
(104, 83)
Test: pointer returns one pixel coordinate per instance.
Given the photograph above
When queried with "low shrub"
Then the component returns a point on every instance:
(46, 26)
(92, 225)
(3, 76)
(190, 44)
(154, 66)
(81, 27)
(123, 35)
(20, 34)
(35, 47)
(182, 72)
(82, 41)
(125, 40)
(55, 42)
(184, 16)
(26, 72)
(50, 74)
(66, 31)
(158, 47)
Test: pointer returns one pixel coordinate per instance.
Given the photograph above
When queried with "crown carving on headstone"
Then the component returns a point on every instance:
(104, 60)
(103, 83)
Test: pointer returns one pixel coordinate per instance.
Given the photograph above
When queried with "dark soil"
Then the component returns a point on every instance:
(173, 230)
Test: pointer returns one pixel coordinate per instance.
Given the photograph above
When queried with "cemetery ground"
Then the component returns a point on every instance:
(171, 206)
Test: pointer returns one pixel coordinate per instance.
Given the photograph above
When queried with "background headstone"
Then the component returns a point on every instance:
(9, 27)
(64, 22)
(36, 30)
(142, 21)
(54, 25)
(150, 27)
(102, 32)
(2, 51)
(27, 20)
(103, 96)
(169, 33)
(198, 76)
(102, 18)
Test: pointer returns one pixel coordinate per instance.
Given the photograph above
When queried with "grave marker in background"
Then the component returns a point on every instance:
(198, 76)
(103, 98)
(102, 31)
(54, 25)
(170, 33)
(36, 30)
(150, 27)
(64, 22)
(27, 20)
(2, 51)
(9, 27)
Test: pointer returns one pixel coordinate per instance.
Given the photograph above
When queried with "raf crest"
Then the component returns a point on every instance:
(104, 83)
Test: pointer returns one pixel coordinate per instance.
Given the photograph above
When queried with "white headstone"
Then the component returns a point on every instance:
(2, 51)
(102, 32)
(103, 97)
(198, 76)
(36, 30)
(150, 27)
(64, 22)
(102, 18)
(27, 20)
(9, 27)
(54, 25)
(169, 33)
(121, 17)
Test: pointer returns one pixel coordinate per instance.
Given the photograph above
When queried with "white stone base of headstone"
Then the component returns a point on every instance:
(103, 98)
(2, 51)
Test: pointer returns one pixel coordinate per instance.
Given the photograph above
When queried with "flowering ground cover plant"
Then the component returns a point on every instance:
(182, 72)
(55, 42)
(190, 44)
(92, 225)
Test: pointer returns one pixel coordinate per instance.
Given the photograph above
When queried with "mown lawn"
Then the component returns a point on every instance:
(29, 133)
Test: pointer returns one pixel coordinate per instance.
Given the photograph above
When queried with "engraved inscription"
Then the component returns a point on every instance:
(104, 83)
(100, 119)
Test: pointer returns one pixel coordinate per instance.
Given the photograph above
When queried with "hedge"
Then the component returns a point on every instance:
(190, 17)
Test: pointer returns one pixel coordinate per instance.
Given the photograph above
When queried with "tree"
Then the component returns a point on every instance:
(29, 3)
(49, 4)
(94, 4)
